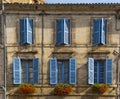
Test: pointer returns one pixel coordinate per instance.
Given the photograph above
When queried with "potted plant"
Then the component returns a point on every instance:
(99, 88)
(62, 89)
(26, 89)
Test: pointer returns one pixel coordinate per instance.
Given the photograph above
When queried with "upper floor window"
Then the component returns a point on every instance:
(99, 31)
(25, 71)
(63, 31)
(62, 71)
(26, 31)
(100, 71)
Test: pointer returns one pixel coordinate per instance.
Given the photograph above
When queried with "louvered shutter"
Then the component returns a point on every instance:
(96, 31)
(103, 31)
(16, 71)
(53, 71)
(29, 30)
(66, 31)
(26, 31)
(108, 70)
(60, 31)
(23, 31)
(35, 70)
(72, 71)
(90, 71)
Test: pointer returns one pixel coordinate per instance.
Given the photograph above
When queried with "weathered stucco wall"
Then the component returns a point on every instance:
(80, 48)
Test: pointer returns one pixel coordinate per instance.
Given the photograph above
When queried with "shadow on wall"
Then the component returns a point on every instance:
(82, 74)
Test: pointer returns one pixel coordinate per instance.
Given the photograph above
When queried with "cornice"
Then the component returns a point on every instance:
(61, 7)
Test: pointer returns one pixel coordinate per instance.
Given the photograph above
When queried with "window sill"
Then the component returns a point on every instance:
(99, 52)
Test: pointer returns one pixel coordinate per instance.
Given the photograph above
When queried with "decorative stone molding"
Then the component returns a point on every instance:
(61, 7)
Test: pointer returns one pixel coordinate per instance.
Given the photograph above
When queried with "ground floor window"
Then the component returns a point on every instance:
(25, 71)
(100, 71)
(63, 71)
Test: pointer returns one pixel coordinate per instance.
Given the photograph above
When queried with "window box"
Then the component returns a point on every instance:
(26, 89)
(100, 88)
(62, 89)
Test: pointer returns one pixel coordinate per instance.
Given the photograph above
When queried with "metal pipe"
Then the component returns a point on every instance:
(4, 49)
(42, 48)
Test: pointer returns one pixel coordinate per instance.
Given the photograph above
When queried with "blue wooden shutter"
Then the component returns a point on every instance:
(35, 70)
(108, 70)
(60, 31)
(26, 31)
(53, 71)
(23, 31)
(72, 71)
(103, 31)
(96, 31)
(66, 31)
(16, 71)
(29, 30)
(90, 71)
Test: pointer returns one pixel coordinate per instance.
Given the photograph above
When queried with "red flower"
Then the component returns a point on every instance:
(103, 88)
(99, 88)
(26, 89)
(62, 89)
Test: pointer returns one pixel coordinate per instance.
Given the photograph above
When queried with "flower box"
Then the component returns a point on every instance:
(62, 89)
(26, 89)
(99, 88)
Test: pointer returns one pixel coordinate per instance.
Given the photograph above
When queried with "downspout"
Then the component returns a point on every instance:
(42, 50)
(4, 47)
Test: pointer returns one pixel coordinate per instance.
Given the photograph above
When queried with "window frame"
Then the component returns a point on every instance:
(35, 66)
(33, 32)
(107, 32)
(54, 71)
(108, 71)
(70, 34)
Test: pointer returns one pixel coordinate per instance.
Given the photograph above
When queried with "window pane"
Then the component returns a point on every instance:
(63, 71)
(99, 71)
(27, 71)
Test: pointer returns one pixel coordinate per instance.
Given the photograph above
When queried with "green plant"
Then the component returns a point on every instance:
(62, 89)
(99, 88)
(26, 89)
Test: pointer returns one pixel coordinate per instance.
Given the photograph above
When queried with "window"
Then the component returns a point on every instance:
(99, 71)
(26, 31)
(62, 71)
(99, 31)
(25, 71)
(63, 31)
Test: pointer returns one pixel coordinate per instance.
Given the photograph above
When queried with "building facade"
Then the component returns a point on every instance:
(49, 44)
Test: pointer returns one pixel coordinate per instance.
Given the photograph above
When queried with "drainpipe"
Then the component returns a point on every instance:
(42, 49)
(4, 47)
